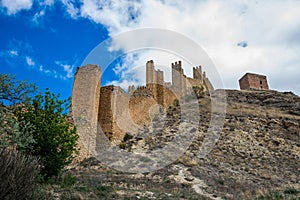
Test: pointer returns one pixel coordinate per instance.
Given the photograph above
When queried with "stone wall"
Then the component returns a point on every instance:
(113, 112)
(207, 84)
(150, 73)
(253, 81)
(193, 82)
(121, 112)
(177, 78)
(169, 97)
(106, 113)
(197, 74)
(85, 102)
(143, 109)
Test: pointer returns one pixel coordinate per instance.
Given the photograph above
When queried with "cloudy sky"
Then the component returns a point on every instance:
(45, 40)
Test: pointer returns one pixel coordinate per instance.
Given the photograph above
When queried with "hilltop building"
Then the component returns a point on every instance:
(252, 81)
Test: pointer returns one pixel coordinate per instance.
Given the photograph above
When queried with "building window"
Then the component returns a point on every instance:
(261, 82)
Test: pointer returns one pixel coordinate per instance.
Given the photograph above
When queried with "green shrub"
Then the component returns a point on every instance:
(176, 102)
(18, 175)
(199, 91)
(127, 137)
(37, 126)
(55, 138)
(103, 191)
(12, 94)
(11, 132)
(122, 145)
(273, 195)
(291, 191)
(68, 180)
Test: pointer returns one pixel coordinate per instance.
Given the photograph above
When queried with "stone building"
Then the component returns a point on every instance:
(180, 82)
(253, 81)
(106, 113)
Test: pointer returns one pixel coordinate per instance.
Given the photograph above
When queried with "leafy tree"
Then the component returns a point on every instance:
(13, 133)
(13, 91)
(55, 138)
(18, 172)
(37, 125)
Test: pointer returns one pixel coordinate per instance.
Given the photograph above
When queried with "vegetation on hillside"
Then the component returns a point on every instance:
(255, 157)
(36, 139)
(55, 138)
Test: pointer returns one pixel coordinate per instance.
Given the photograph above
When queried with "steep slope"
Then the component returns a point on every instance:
(257, 151)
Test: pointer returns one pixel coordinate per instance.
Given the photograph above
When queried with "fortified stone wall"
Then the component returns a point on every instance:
(105, 118)
(193, 82)
(150, 72)
(197, 74)
(177, 78)
(142, 109)
(85, 103)
(169, 97)
(207, 84)
(107, 113)
(125, 112)
(113, 110)
(120, 102)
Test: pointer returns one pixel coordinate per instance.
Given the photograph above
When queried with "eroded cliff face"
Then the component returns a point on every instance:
(258, 150)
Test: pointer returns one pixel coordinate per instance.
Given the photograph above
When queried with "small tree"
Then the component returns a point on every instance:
(14, 133)
(36, 125)
(13, 91)
(55, 138)
(199, 91)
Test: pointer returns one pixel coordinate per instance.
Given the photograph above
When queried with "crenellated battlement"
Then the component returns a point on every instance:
(131, 89)
(177, 66)
(110, 106)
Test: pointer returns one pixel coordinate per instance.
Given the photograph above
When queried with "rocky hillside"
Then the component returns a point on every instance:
(258, 152)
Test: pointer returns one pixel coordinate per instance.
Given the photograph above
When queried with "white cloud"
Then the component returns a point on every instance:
(13, 53)
(271, 29)
(46, 2)
(51, 72)
(72, 10)
(42, 9)
(19, 56)
(29, 61)
(68, 69)
(14, 6)
(37, 16)
(123, 83)
(116, 15)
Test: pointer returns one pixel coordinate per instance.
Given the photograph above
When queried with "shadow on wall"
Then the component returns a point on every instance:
(110, 111)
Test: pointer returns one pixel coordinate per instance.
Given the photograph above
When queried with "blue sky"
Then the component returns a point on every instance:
(44, 41)
(47, 51)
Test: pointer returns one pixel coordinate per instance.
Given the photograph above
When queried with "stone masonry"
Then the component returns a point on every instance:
(105, 114)
(253, 81)
(180, 82)
(85, 104)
